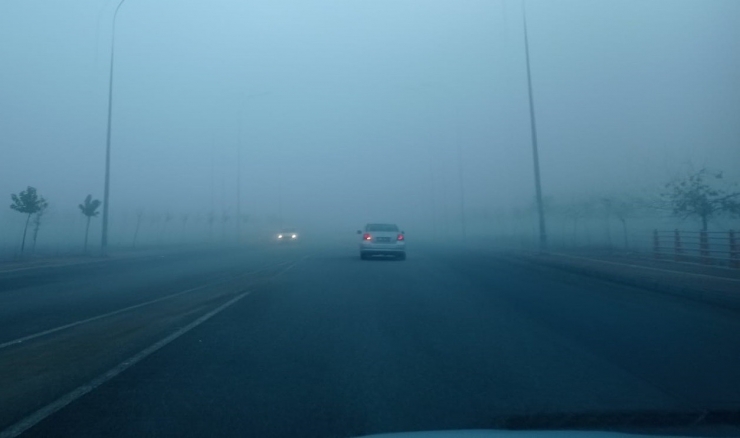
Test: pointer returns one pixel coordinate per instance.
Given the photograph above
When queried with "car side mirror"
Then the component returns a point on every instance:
(359, 232)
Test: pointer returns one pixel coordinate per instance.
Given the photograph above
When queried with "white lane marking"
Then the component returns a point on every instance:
(646, 267)
(78, 263)
(35, 418)
(28, 268)
(48, 410)
(126, 309)
(95, 318)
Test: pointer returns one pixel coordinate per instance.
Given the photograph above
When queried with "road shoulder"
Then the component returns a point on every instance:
(690, 283)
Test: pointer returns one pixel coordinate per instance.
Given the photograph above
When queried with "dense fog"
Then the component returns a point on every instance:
(232, 119)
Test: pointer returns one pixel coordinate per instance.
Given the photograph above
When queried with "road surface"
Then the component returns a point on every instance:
(312, 341)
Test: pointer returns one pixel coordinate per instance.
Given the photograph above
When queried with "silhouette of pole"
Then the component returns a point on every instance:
(280, 199)
(535, 152)
(433, 192)
(239, 183)
(239, 194)
(106, 191)
(462, 188)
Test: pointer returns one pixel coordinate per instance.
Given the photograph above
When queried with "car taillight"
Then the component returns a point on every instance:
(400, 237)
(367, 236)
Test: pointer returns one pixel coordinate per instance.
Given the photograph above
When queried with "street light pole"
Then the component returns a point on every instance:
(280, 197)
(239, 182)
(462, 188)
(106, 199)
(433, 185)
(535, 152)
(239, 194)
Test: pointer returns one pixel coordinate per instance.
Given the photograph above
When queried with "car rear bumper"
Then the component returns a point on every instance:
(376, 249)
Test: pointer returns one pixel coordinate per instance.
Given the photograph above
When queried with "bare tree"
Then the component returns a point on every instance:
(211, 219)
(154, 220)
(607, 206)
(621, 207)
(139, 215)
(167, 219)
(624, 208)
(580, 212)
(225, 218)
(27, 202)
(184, 219)
(37, 225)
(89, 208)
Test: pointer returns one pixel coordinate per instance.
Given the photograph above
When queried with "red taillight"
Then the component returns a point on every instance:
(367, 236)
(400, 237)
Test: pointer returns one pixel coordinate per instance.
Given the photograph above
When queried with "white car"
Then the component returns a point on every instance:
(382, 239)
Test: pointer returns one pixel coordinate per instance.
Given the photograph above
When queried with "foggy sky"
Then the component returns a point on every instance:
(359, 110)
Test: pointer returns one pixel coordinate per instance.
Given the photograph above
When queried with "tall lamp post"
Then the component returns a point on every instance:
(106, 200)
(239, 182)
(535, 152)
(462, 189)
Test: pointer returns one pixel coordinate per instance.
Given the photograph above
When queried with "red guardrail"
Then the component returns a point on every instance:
(707, 247)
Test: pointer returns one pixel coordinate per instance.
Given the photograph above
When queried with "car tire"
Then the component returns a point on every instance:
(402, 256)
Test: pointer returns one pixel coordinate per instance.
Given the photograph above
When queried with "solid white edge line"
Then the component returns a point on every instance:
(48, 410)
(95, 318)
(38, 416)
(125, 309)
(63, 265)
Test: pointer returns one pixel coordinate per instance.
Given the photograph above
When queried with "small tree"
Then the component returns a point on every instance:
(167, 219)
(579, 211)
(139, 214)
(89, 209)
(27, 202)
(184, 217)
(211, 219)
(623, 208)
(37, 225)
(225, 218)
(695, 196)
(607, 207)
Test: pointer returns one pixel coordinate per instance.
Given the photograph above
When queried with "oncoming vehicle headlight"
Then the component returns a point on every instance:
(280, 236)
(293, 236)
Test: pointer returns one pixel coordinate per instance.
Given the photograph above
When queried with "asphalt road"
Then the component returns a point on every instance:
(312, 341)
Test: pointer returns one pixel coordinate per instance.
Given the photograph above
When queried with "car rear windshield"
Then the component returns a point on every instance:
(381, 227)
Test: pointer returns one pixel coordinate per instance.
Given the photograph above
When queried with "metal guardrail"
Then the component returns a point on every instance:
(706, 247)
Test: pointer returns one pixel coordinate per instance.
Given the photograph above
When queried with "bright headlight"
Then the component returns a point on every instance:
(280, 236)
(293, 236)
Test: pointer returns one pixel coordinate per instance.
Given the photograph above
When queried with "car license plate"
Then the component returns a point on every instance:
(383, 239)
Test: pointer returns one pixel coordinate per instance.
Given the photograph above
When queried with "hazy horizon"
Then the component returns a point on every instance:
(350, 112)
